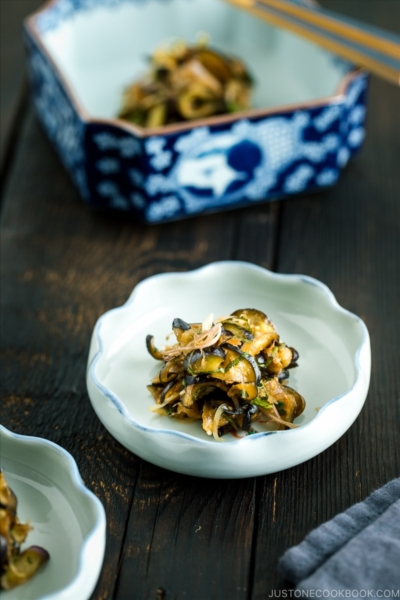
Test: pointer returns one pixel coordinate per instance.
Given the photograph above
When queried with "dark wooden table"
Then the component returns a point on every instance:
(172, 536)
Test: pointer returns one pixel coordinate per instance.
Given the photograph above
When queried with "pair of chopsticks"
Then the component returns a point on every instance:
(375, 49)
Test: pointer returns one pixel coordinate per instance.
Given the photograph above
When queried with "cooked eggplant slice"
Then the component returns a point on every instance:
(8, 500)
(180, 324)
(299, 400)
(191, 358)
(215, 63)
(227, 373)
(183, 335)
(283, 375)
(23, 567)
(181, 329)
(236, 412)
(191, 379)
(167, 375)
(290, 404)
(170, 371)
(209, 417)
(215, 352)
(247, 366)
(20, 531)
(16, 566)
(295, 358)
(263, 330)
(3, 551)
(209, 361)
(246, 391)
(257, 320)
(171, 391)
(278, 359)
(251, 410)
(182, 412)
(194, 392)
(155, 353)
(156, 391)
(240, 332)
(284, 355)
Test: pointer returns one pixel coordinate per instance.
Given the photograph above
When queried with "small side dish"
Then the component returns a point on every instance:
(66, 518)
(229, 373)
(333, 373)
(185, 83)
(16, 567)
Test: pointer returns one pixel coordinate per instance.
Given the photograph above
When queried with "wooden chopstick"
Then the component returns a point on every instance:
(376, 62)
(370, 37)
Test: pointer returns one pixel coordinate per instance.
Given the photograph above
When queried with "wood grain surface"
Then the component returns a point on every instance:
(169, 536)
(14, 91)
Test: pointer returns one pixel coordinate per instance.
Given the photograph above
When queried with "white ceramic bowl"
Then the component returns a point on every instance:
(333, 373)
(68, 520)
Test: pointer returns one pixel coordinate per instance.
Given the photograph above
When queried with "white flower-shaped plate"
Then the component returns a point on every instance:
(333, 373)
(67, 519)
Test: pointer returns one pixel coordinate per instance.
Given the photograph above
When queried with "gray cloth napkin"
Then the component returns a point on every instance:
(358, 550)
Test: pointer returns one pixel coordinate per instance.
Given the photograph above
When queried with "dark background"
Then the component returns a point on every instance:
(63, 266)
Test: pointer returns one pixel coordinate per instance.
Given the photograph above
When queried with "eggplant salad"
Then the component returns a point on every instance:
(185, 83)
(229, 373)
(16, 567)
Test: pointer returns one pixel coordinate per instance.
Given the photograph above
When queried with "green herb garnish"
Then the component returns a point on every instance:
(262, 402)
(281, 407)
(262, 385)
(233, 363)
(230, 421)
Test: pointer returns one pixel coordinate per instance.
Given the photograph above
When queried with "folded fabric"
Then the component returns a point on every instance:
(357, 550)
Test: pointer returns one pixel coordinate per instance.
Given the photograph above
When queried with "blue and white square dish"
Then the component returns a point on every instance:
(307, 122)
